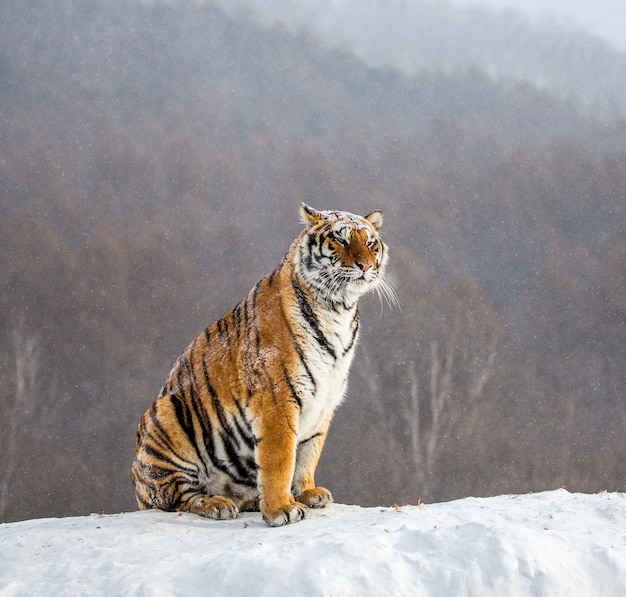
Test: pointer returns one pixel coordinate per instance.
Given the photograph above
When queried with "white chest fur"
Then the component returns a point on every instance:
(331, 339)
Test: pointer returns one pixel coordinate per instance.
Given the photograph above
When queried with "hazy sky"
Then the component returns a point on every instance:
(602, 17)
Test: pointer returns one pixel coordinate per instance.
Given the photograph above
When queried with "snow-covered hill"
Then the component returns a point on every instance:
(552, 543)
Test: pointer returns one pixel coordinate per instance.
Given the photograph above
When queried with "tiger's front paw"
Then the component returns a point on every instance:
(277, 517)
(219, 508)
(318, 497)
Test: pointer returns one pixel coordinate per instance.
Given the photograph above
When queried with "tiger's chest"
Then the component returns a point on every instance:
(324, 368)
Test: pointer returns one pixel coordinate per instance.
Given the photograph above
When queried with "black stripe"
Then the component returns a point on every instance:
(193, 386)
(311, 319)
(232, 446)
(255, 321)
(158, 443)
(179, 379)
(146, 505)
(231, 433)
(241, 474)
(236, 316)
(162, 457)
(251, 326)
(183, 416)
(301, 355)
(270, 278)
(161, 436)
(355, 322)
(243, 427)
(308, 439)
(292, 388)
(250, 357)
(255, 360)
(218, 408)
(208, 435)
(223, 329)
(197, 405)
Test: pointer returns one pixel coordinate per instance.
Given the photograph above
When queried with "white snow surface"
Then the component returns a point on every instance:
(551, 543)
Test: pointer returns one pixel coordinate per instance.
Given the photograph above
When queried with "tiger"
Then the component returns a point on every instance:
(242, 418)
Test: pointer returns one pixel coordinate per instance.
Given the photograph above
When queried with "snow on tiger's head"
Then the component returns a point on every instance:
(341, 255)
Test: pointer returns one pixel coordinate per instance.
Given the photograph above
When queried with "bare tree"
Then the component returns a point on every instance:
(434, 390)
(26, 409)
(446, 385)
(21, 406)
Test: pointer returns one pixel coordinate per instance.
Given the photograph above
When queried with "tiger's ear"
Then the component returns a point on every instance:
(309, 216)
(375, 218)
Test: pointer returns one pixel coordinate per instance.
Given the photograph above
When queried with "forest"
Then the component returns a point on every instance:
(152, 160)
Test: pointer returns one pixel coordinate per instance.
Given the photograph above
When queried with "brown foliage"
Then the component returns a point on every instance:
(151, 162)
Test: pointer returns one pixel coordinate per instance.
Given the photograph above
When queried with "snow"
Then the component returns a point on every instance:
(551, 543)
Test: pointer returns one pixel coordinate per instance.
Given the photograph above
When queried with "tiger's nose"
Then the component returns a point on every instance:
(364, 265)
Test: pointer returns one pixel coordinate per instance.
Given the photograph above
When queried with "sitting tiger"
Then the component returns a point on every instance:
(242, 418)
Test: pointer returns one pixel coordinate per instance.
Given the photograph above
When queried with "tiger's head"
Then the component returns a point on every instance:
(341, 255)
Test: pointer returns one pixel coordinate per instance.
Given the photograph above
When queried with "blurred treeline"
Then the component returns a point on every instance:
(152, 160)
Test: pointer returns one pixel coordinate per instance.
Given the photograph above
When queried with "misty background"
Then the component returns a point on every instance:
(153, 156)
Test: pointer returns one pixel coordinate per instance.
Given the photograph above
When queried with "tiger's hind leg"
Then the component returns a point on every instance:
(171, 490)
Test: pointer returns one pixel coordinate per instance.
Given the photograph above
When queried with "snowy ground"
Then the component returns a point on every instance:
(552, 543)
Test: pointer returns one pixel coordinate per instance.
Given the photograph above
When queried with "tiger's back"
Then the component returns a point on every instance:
(242, 418)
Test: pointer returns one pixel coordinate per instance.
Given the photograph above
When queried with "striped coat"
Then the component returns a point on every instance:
(241, 420)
